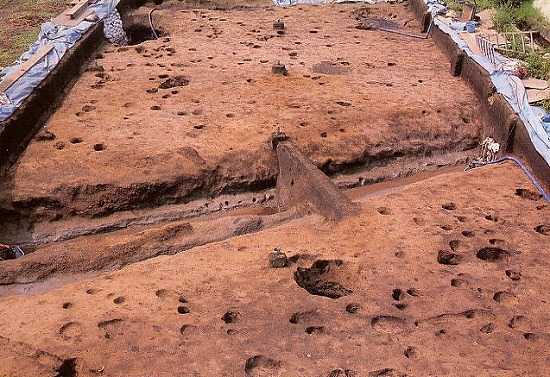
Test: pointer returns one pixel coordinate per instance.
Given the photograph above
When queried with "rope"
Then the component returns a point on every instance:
(531, 177)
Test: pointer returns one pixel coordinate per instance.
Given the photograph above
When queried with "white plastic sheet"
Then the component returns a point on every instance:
(512, 89)
(62, 38)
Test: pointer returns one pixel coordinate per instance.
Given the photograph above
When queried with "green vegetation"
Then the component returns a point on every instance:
(21, 24)
(539, 68)
(517, 13)
(514, 15)
(486, 4)
(508, 13)
(17, 45)
(55, 3)
(511, 15)
(24, 40)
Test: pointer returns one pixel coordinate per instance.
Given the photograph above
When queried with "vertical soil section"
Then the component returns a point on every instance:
(300, 184)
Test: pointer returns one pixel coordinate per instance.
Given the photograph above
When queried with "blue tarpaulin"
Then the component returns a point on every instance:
(62, 38)
(512, 89)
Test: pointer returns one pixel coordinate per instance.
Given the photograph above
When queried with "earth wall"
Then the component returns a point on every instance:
(501, 121)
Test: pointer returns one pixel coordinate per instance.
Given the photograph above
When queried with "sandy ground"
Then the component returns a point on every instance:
(443, 277)
(405, 313)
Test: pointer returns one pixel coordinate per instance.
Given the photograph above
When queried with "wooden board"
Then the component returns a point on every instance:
(24, 68)
(76, 9)
(468, 12)
(64, 19)
(534, 95)
(531, 83)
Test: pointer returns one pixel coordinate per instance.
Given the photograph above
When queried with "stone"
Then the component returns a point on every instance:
(278, 260)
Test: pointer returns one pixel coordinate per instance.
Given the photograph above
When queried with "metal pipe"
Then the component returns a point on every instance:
(151, 23)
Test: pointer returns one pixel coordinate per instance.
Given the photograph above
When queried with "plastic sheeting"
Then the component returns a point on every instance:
(511, 87)
(112, 28)
(62, 38)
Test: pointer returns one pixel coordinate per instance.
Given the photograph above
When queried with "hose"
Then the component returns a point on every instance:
(537, 185)
(151, 23)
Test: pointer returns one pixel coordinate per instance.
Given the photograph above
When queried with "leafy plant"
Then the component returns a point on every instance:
(17, 45)
(510, 3)
(503, 19)
(527, 16)
(538, 66)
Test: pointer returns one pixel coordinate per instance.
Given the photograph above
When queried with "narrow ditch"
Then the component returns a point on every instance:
(54, 257)
(168, 217)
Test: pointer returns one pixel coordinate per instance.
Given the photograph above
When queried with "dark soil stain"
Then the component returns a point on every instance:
(343, 373)
(353, 308)
(317, 279)
(173, 82)
(449, 206)
(315, 330)
(488, 328)
(260, 365)
(528, 194)
(543, 229)
(513, 274)
(492, 254)
(230, 317)
(301, 317)
(448, 258)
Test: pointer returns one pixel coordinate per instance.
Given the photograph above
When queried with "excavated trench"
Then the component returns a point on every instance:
(172, 215)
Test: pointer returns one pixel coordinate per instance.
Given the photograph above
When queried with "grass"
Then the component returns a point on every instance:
(545, 104)
(25, 39)
(511, 15)
(539, 68)
(21, 24)
(524, 17)
(17, 45)
(480, 4)
(486, 4)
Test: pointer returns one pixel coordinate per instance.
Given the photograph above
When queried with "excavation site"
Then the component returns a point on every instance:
(243, 188)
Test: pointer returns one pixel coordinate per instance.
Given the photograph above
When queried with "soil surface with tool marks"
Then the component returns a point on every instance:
(377, 301)
(147, 211)
(191, 114)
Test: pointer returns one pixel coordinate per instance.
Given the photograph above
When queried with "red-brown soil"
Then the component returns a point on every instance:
(443, 277)
(407, 313)
(353, 98)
